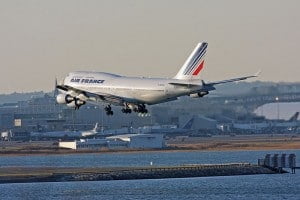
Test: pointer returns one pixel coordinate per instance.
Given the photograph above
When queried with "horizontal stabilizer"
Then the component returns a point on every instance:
(185, 84)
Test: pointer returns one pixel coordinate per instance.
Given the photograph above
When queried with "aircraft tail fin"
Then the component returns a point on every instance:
(189, 124)
(294, 117)
(194, 64)
(96, 127)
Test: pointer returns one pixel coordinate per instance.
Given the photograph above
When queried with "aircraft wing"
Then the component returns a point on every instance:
(195, 84)
(107, 98)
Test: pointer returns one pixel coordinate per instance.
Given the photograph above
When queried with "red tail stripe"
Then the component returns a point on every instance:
(199, 68)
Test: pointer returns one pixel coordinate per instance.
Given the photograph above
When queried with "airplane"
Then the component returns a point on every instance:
(173, 129)
(168, 129)
(119, 131)
(65, 134)
(134, 93)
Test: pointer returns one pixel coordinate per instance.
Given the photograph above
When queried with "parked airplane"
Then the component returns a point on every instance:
(119, 131)
(159, 129)
(168, 129)
(134, 93)
(65, 134)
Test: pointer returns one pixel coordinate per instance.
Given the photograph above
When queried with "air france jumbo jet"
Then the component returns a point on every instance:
(134, 93)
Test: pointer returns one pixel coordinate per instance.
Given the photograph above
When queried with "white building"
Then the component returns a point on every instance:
(141, 141)
(133, 141)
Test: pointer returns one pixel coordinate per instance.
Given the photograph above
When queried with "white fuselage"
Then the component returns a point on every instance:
(141, 89)
(62, 134)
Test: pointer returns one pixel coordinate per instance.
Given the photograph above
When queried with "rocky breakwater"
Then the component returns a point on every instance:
(13, 175)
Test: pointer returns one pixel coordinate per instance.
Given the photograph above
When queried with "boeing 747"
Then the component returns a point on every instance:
(134, 93)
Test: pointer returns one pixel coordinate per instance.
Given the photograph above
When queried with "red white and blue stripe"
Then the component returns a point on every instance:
(196, 63)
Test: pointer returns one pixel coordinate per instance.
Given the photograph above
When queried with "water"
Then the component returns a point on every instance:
(235, 187)
(137, 159)
(277, 186)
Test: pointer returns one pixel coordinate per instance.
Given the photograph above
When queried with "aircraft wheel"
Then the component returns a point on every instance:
(110, 112)
(107, 108)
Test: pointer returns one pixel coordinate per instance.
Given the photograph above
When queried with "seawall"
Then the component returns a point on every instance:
(50, 174)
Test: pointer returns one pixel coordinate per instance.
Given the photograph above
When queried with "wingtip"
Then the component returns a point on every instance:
(257, 73)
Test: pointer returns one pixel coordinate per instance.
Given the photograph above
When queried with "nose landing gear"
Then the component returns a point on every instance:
(141, 108)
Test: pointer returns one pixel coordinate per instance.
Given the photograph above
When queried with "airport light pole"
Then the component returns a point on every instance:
(277, 100)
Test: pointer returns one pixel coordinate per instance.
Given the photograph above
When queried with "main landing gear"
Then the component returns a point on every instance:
(141, 108)
(126, 110)
(108, 110)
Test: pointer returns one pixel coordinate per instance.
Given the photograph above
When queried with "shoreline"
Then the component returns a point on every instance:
(39, 153)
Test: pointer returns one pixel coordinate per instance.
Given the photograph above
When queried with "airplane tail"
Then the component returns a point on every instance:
(294, 117)
(189, 124)
(194, 64)
(96, 127)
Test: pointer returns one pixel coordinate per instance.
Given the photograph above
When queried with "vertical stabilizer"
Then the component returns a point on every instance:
(194, 64)
(189, 124)
(96, 127)
(294, 117)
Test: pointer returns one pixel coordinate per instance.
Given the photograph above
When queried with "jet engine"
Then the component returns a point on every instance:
(199, 94)
(64, 98)
(72, 104)
(79, 102)
(76, 103)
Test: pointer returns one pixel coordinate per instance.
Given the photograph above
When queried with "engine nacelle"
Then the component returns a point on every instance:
(76, 103)
(199, 94)
(64, 98)
(79, 102)
(72, 104)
